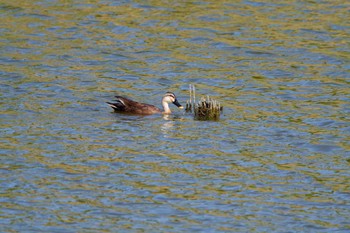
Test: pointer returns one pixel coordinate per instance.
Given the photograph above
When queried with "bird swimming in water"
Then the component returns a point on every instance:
(122, 104)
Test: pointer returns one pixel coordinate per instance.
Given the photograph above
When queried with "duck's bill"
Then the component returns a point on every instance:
(177, 104)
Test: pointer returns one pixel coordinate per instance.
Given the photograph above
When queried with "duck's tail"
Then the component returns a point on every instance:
(117, 106)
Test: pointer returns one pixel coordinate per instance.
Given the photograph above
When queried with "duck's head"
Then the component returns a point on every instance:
(170, 97)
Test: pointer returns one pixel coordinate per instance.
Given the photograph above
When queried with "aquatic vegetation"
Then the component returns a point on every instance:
(207, 109)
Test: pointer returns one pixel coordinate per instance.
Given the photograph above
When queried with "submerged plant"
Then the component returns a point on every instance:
(205, 109)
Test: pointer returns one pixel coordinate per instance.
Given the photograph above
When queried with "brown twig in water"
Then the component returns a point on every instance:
(205, 109)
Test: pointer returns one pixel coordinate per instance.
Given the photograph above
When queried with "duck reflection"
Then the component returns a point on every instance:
(169, 123)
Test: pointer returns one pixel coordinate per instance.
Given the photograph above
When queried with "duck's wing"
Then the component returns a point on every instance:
(122, 104)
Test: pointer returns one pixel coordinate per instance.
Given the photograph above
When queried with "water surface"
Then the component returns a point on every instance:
(277, 161)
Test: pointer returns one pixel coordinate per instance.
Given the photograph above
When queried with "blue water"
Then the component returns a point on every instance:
(276, 161)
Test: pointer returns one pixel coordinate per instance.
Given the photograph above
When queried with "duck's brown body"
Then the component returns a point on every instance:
(126, 105)
(123, 104)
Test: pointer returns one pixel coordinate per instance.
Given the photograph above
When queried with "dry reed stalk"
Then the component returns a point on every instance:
(205, 109)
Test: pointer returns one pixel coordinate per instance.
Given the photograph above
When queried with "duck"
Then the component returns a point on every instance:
(122, 104)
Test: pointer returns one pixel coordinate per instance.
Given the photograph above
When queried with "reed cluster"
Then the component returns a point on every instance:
(206, 108)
